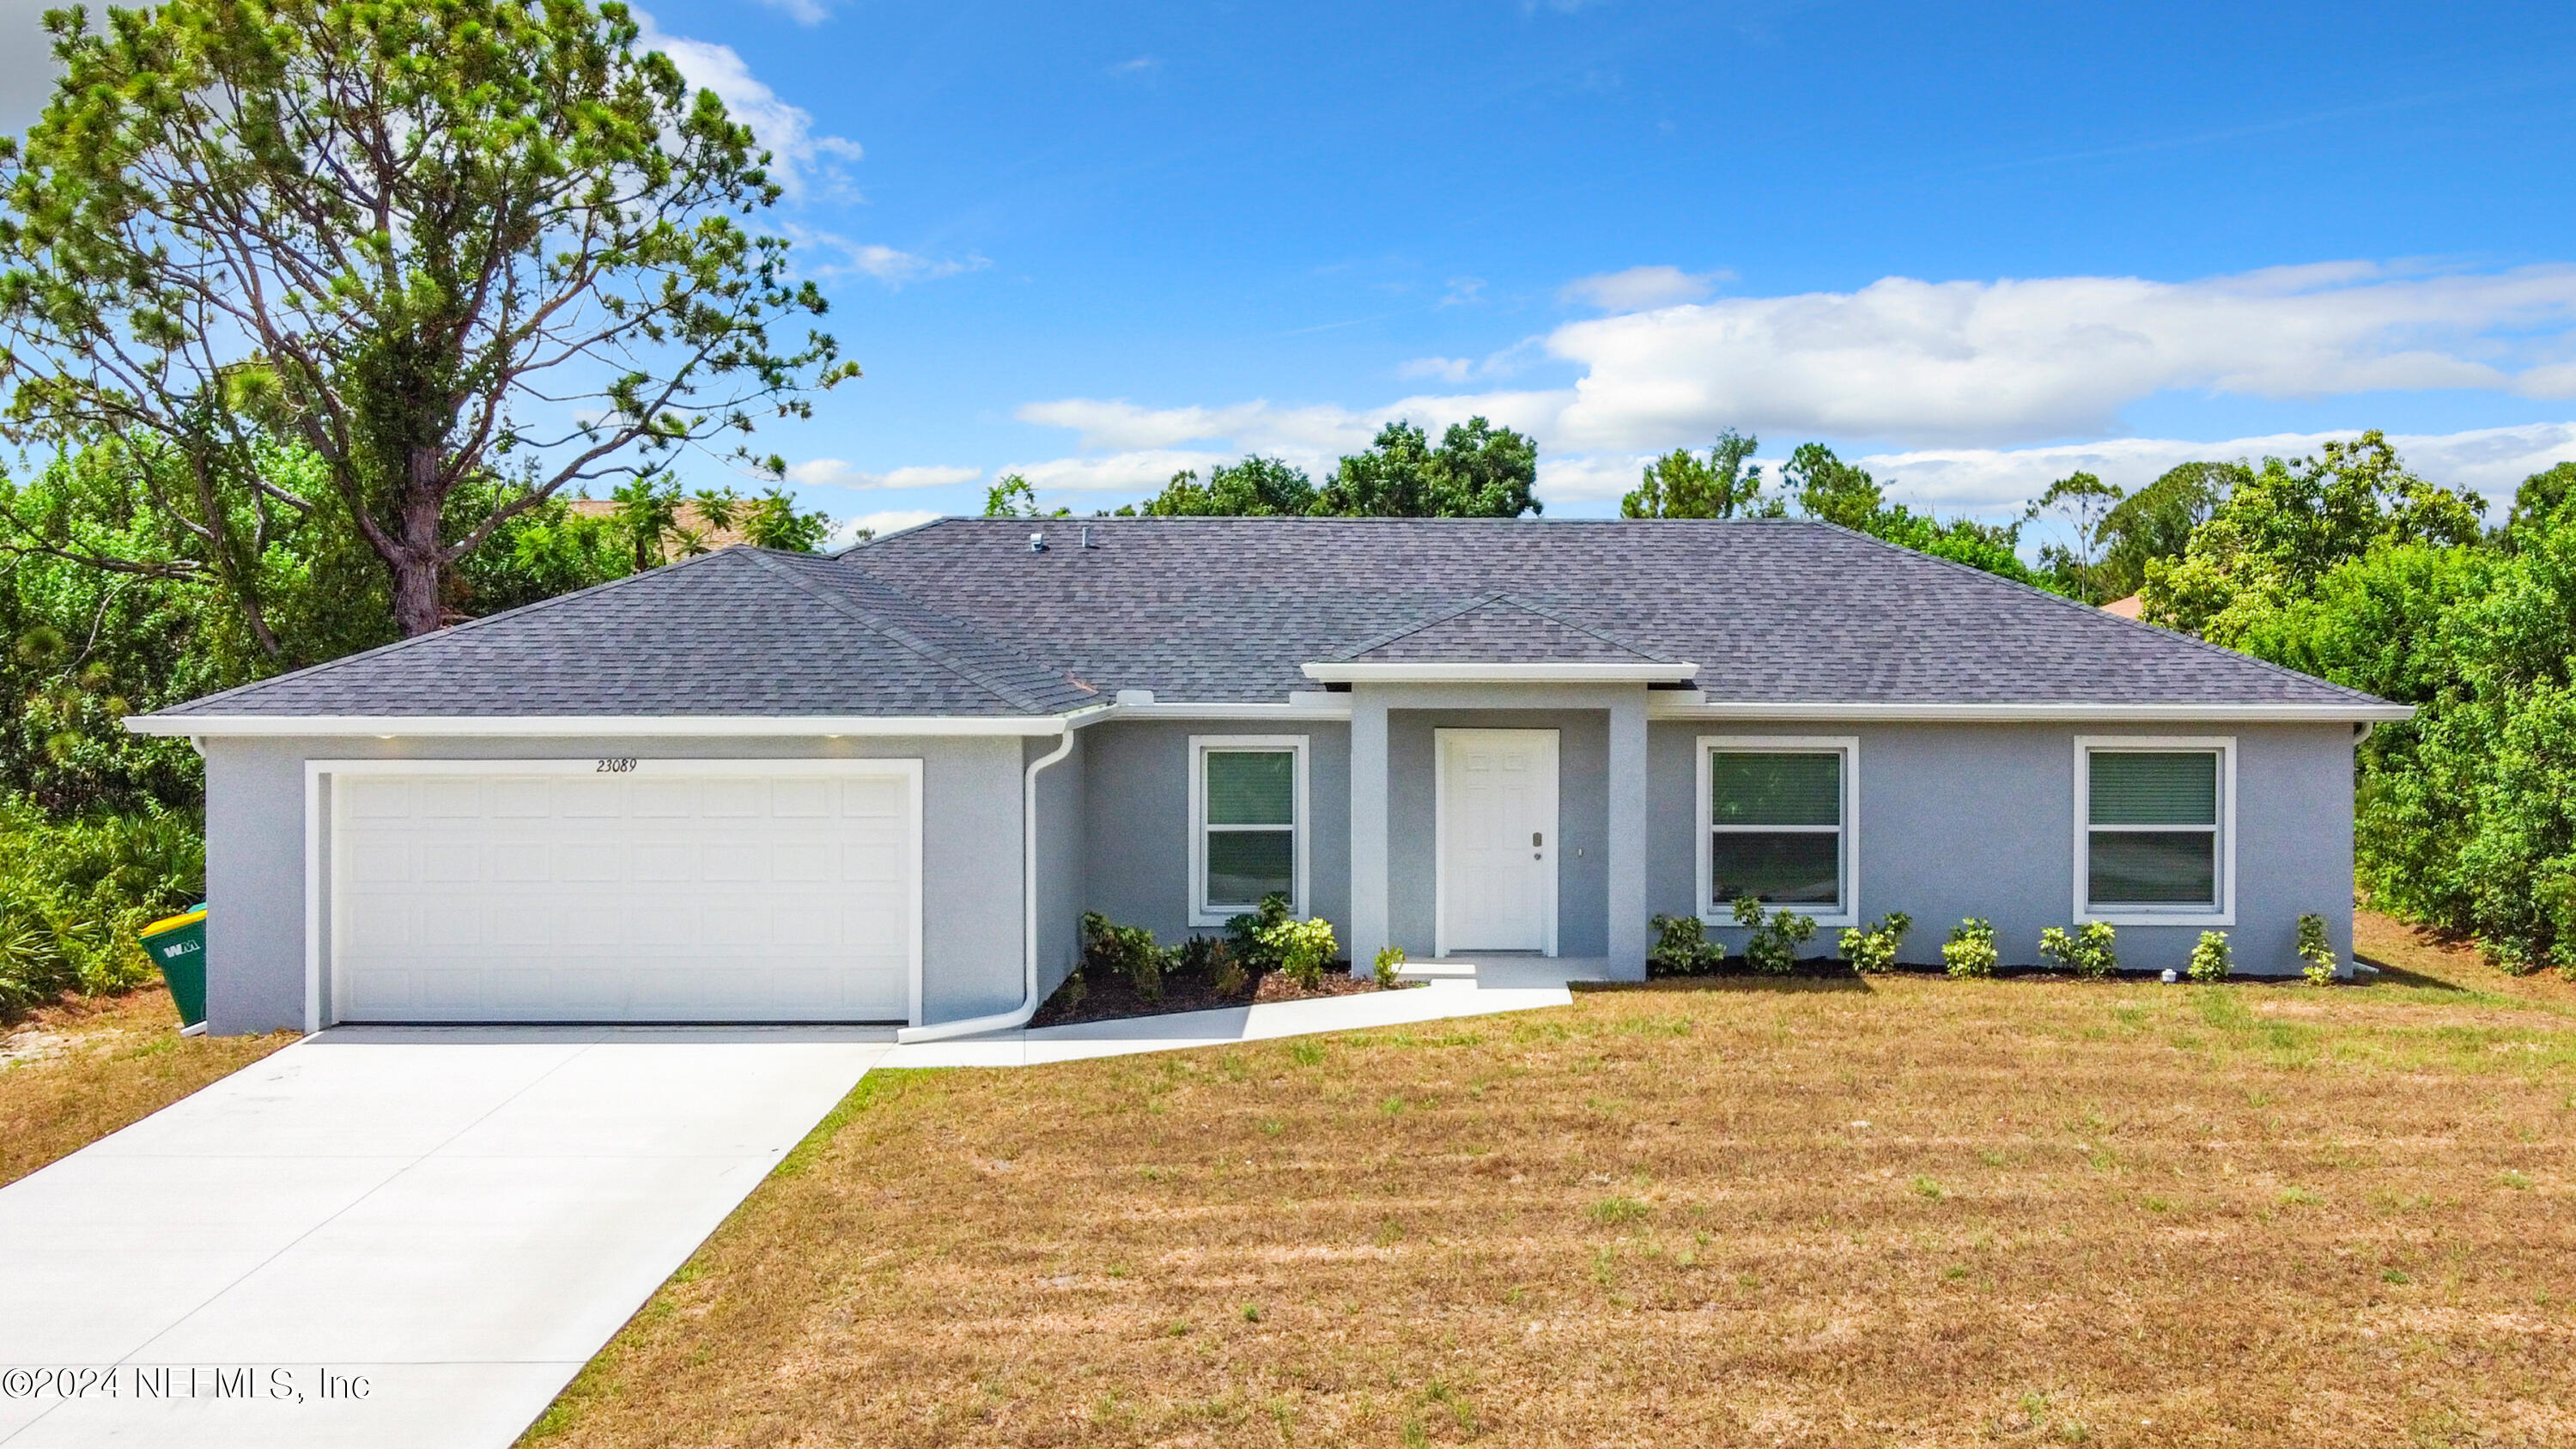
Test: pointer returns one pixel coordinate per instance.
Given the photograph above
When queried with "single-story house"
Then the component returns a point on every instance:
(884, 785)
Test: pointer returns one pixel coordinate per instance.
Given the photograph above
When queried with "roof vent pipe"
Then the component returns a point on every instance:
(1086, 537)
(1037, 543)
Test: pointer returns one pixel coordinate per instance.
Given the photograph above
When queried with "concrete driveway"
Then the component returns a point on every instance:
(407, 1237)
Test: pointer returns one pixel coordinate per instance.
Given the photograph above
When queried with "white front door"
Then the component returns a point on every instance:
(1497, 829)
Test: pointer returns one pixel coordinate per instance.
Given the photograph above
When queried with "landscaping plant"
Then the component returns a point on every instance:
(1773, 947)
(1249, 933)
(1128, 951)
(1303, 948)
(1212, 958)
(1682, 948)
(1873, 951)
(2210, 958)
(2089, 952)
(1390, 960)
(2316, 951)
(1970, 951)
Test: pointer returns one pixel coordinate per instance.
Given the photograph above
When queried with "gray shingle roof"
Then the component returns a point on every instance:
(739, 631)
(1772, 610)
(960, 617)
(1499, 629)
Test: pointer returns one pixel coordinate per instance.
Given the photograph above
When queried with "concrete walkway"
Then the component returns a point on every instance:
(1438, 999)
(407, 1238)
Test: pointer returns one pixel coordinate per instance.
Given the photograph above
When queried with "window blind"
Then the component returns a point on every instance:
(2141, 787)
(1775, 788)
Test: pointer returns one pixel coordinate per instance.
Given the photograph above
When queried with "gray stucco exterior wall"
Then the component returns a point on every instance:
(1978, 820)
(1136, 799)
(255, 862)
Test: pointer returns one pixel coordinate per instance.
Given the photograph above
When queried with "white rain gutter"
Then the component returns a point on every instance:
(1019, 1015)
(606, 726)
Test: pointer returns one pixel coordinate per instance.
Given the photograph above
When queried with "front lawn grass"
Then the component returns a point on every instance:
(73, 1073)
(1896, 1211)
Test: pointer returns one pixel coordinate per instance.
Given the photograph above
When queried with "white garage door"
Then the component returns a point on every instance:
(626, 890)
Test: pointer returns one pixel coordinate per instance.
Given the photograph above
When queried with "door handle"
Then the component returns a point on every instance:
(1537, 839)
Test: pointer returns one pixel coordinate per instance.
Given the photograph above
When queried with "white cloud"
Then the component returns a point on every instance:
(834, 473)
(1462, 290)
(1987, 363)
(1640, 287)
(797, 154)
(1996, 481)
(1141, 65)
(829, 254)
(1442, 369)
(846, 532)
(1142, 471)
(803, 12)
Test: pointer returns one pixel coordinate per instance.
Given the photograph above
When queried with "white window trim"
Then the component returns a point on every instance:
(2119, 914)
(1201, 913)
(1848, 914)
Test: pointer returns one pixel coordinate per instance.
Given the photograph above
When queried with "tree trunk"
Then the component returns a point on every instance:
(418, 564)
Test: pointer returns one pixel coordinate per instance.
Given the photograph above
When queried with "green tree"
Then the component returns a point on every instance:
(410, 236)
(773, 521)
(1826, 487)
(1843, 493)
(1682, 485)
(2082, 504)
(2538, 501)
(2156, 522)
(1257, 487)
(1012, 497)
(2283, 528)
(1478, 471)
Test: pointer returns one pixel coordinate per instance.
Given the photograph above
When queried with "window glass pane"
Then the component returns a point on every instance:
(1245, 865)
(2154, 867)
(2139, 787)
(1804, 869)
(1251, 787)
(1768, 788)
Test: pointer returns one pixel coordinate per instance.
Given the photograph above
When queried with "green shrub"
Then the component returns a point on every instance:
(1970, 951)
(1773, 948)
(1682, 948)
(1247, 933)
(1390, 960)
(1213, 959)
(1128, 951)
(2316, 951)
(74, 894)
(2090, 952)
(1874, 950)
(1303, 947)
(2210, 958)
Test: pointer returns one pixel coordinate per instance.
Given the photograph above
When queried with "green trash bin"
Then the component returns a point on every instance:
(178, 944)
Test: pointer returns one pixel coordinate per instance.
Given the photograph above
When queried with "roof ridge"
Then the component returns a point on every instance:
(2158, 630)
(946, 659)
(465, 625)
(1578, 626)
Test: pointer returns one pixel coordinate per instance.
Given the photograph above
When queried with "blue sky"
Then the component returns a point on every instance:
(1980, 245)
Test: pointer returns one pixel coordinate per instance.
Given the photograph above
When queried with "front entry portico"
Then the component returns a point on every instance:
(1579, 892)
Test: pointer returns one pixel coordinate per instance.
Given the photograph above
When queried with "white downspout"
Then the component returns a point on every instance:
(1029, 1003)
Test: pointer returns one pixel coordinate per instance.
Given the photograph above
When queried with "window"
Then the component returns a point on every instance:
(2152, 844)
(1776, 825)
(1248, 817)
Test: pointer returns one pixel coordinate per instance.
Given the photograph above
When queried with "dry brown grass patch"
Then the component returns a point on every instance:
(73, 1073)
(1914, 1212)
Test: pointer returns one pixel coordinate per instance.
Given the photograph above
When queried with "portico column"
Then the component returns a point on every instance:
(1627, 864)
(1368, 827)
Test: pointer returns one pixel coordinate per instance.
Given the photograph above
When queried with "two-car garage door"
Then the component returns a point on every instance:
(625, 890)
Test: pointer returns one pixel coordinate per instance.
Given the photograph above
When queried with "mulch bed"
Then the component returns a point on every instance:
(1110, 999)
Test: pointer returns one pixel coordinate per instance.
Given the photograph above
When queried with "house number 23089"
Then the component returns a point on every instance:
(617, 767)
